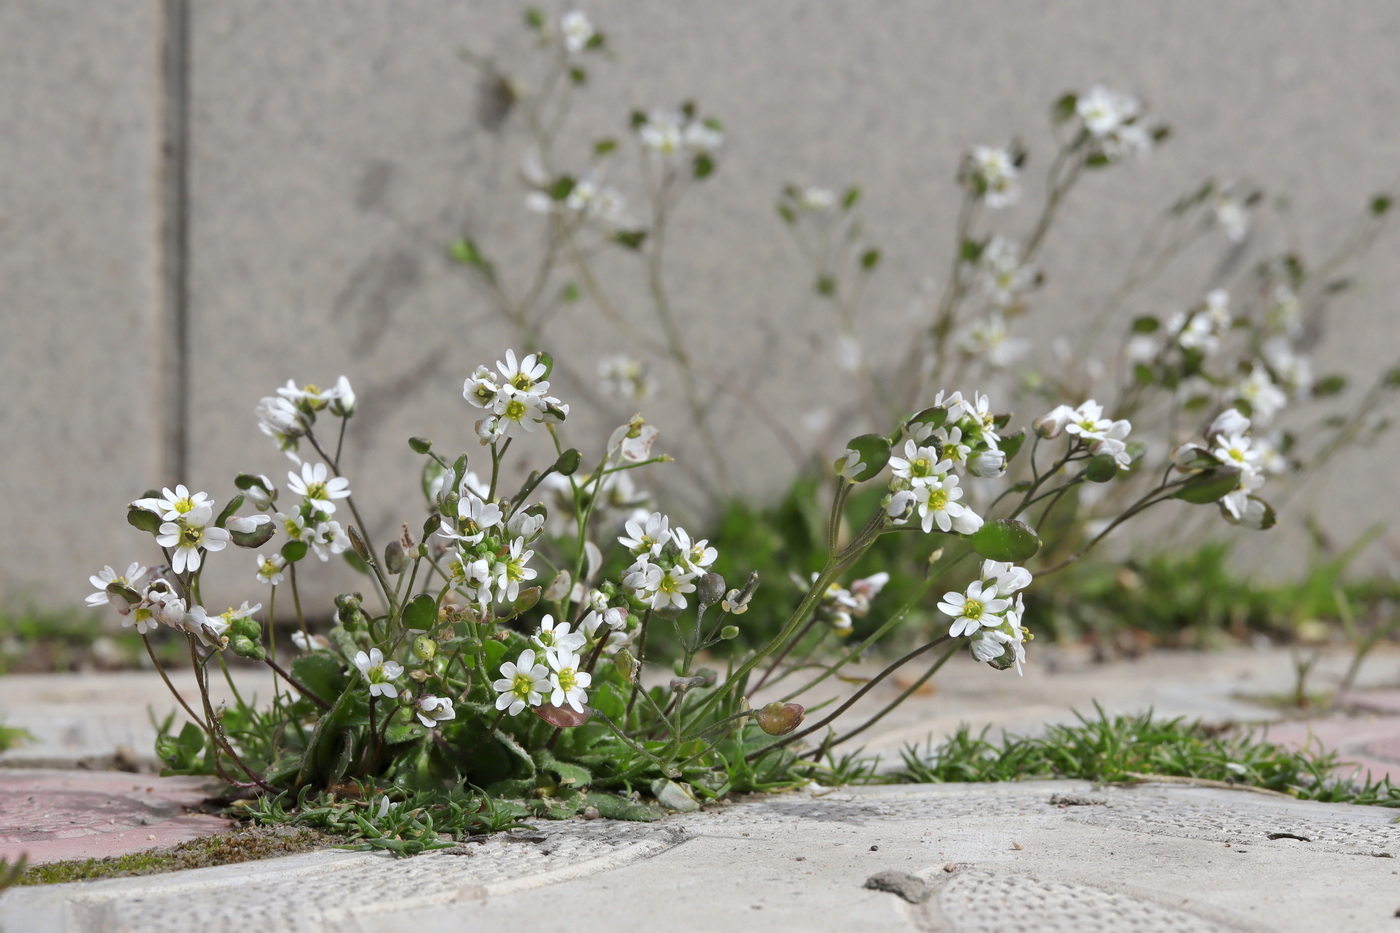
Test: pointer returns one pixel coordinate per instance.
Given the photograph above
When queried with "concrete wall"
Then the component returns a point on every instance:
(322, 154)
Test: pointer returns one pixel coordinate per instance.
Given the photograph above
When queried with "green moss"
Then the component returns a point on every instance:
(244, 845)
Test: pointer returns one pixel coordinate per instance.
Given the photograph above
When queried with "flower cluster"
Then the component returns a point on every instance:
(989, 613)
(513, 396)
(669, 134)
(1110, 122)
(1244, 462)
(666, 562)
(954, 437)
(1098, 434)
(993, 174)
(287, 416)
(841, 605)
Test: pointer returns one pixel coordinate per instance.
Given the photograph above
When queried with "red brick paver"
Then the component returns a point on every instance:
(56, 815)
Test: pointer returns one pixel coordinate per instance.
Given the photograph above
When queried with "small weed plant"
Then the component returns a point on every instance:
(537, 639)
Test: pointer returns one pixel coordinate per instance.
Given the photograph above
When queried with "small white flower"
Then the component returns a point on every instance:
(522, 683)
(647, 539)
(310, 643)
(271, 569)
(171, 506)
(342, 398)
(100, 580)
(624, 377)
(432, 710)
(379, 672)
(556, 638)
(318, 487)
(978, 607)
(576, 30)
(996, 171)
(568, 681)
(191, 536)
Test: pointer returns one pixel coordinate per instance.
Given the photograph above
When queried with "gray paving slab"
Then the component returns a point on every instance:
(1051, 856)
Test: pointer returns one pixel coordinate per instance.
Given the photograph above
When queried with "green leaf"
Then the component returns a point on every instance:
(562, 187)
(873, 453)
(143, 520)
(465, 251)
(421, 613)
(1005, 539)
(849, 199)
(704, 165)
(614, 807)
(234, 505)
(826, 286)
(570, 292)
(1332, 385)
(971, 250)
(1380, 204)
(632, 239)
(578, 75)
(1064, 108)
(787, 214)
(568, 462)
(604, 147)
(870, 259)
(420, 445)
(294, 551)
(1146, 325)
(1101, 468)
(1210, 486)
(357, 562)
(534, 19)
(1011, 444)
(320, 673)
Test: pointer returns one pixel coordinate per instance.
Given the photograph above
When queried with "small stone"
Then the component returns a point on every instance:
(913, 889)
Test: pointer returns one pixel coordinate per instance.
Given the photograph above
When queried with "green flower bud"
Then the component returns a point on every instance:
(424, 647)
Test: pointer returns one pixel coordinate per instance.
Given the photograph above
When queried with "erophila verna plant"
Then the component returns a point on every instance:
(503, 651)
(1238, 340)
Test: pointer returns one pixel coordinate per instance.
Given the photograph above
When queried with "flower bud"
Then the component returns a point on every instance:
(729, 632)
(1050, 425)
(627, 666)
(780, 718)
(247, 648)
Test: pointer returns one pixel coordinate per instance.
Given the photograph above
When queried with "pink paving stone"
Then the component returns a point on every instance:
(1373, 701)
(57, 815)
(1365, 744)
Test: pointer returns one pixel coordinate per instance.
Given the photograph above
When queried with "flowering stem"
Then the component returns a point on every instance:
(855, 697)
(160, 669)
(216, 732)
(641, 658)
(908, 691)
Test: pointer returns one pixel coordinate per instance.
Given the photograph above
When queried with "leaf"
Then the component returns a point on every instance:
(1101, 468)
(1380, 204)
(1146, 325)
(614, 807)
(1064, 107)
(294, 551)
(1005, 539)
(1210, 486)
(1011, 444)
(570, 775)
(1332, 385)
(143, 520)
(704, 165)
(826, 286)
(873, 453)
(466, 252)
(421, 613)
(870, 259)
(562, 717)
(632, 239)
(234, 505)
(849, 199)
(320, 673)
(604, 147)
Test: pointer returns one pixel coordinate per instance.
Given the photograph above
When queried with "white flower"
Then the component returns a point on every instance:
(522, 683)
(988, 338)
(937, 504)
(1004, 278)
(814, 199)
(556, 638)
(1229, 421)
(661, 132)
(647, 539)
(576, 30)
(624, 377)
(1007, 576)
(280, 420)
(1232, 216)
(996, 171)
(511, 570)
(920, 465)
(702, 138)
(1265, 399)
(1105, 111)
(271, 570)
(309, 643)
(1053, 423)
(474, 517)
(1236, 451)
(131, 579)
(432, 710)
(328, 538)
(978, 607)
(208, 629)
(379, 672)
(632, 441)
(317, 486)
(170, 506)
(191, 536)
(568, 681)
(342, 398)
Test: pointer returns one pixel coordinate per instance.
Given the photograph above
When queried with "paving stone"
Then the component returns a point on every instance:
(1366, 746)
(989, 858)
(50, 816)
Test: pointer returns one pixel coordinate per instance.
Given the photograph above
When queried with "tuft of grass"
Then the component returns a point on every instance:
(244, 845)
(1133, 748)
(10, 736)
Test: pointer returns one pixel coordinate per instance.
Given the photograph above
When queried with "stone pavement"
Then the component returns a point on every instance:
(1029, 856)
